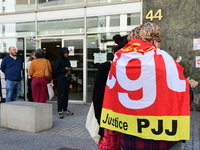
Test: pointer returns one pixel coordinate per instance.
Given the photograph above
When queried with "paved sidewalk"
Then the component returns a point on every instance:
(194, 142)
(70, 134)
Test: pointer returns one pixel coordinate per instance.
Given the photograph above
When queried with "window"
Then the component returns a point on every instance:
(19, 29)
(133, 19)
(115, 20)
(61, 26)
(116, 23)
(42, 4)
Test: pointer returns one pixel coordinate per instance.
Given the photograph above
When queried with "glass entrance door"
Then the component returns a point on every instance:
(30, 45)
(76, 46)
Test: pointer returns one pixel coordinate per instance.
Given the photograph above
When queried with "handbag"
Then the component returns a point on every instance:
(92, 125)
(47, 73)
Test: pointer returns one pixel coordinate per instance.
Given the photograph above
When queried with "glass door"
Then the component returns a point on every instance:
(76, 58)
(30, 45)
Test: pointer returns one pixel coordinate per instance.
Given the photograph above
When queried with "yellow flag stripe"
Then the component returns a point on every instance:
(168, 128)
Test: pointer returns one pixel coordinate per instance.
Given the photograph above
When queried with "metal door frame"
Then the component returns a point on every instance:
(84, 64)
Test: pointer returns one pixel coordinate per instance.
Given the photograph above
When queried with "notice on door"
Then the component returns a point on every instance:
(197, 61)
(71, 50)
(100, 57)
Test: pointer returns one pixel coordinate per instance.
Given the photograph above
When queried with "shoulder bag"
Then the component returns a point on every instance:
(47, 73)
(92, 125)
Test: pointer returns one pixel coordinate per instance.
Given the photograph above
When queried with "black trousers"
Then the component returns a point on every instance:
(30, 98)
(63, 92)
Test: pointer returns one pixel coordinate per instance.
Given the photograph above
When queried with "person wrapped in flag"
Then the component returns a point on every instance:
(147, 97)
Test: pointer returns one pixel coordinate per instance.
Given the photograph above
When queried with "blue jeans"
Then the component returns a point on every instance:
(12, 90)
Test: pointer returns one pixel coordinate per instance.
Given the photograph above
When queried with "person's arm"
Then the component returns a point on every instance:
(22, 64)
(28, 65)
(30, 70)
(57, 70)
(3, 65)
(191, 95)
(70, 68)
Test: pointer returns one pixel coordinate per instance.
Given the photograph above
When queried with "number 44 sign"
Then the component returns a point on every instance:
(158, 15)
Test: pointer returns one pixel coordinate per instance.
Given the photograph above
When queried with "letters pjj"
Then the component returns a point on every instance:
(146, 94)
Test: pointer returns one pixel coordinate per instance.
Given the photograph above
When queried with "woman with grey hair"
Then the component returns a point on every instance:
(37, 73)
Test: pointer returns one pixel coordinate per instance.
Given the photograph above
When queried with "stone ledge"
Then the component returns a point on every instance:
(26, 116)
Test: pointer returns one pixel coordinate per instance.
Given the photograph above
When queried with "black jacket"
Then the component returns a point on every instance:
(60, 64)
(98, 92)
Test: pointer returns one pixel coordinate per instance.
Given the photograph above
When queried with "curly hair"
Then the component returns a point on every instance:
(134, 34)
(147, 32)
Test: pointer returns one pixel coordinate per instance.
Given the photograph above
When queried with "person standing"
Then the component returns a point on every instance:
(32, 57)
(37, 73)
(62, 69)
(147, 87)
(11, 66)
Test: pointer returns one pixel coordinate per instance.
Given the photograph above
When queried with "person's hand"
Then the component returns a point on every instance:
(68, 68)
(51, 81)
(192, 82)
(70, 86)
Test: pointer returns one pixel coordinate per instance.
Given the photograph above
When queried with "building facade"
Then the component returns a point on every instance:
(180, 26)
(86, 27)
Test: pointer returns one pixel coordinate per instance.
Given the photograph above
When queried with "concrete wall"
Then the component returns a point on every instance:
(179, 26)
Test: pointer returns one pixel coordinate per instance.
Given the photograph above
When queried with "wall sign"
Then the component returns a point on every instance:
(71, 50)
(158, 15)
(197, 61)
(196, 44)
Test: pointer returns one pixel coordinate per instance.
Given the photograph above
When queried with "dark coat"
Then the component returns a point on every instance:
(98, 92)
(60, 64)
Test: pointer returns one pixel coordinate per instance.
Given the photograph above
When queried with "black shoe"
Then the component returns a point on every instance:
(60, 116)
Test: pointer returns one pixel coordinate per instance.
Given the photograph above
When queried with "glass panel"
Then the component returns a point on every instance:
(42, 4)
(19, 44)
(98, 46)
(30, 47)
(76, 59)
(61, 26)
(113, 22)
(104, 1)
(52, 49)
(133, 19)
(18, 29)
(16, 5)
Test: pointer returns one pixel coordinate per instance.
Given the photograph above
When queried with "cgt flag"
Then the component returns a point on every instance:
(146, 94)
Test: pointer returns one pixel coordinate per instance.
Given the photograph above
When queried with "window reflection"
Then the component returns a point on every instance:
(97, 45)
(7, 6)
(16, 5)
(113, 22)
(61, 26)
(104, 1)
(18, 29)
(42, 4)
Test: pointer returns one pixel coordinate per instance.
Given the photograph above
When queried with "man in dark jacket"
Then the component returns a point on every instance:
(11, 66)
(62, 69)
